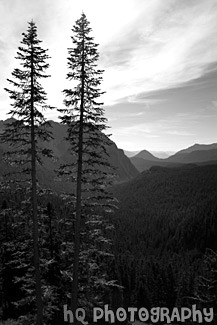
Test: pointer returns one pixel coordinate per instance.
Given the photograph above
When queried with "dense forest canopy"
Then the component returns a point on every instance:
(165, 225)
(164, 239)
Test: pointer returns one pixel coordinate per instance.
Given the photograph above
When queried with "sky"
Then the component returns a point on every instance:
(159, 57)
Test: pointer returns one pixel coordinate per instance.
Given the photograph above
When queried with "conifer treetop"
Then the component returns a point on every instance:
(82, 66)
(28, 101)
(33, 64)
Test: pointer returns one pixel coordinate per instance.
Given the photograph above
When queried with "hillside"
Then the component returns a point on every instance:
(159, 184)
(196, 154)
(123, 167)
(198, 147)
(130, 153)
(144, 164)
(166, 221)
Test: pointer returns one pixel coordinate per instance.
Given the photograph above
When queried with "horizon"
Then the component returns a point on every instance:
(136, 151)
(160, 63)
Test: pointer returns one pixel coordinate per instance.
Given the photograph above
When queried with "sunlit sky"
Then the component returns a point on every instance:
(159, 57)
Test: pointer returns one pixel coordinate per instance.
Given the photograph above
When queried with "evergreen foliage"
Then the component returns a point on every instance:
(89, 168)
(84, 114)
(155, 261)
(29, 100)
(165, 222)
(206, 283)
(30, 126)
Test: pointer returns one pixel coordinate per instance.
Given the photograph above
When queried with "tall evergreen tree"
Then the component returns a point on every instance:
(29, 128)
(84, 116)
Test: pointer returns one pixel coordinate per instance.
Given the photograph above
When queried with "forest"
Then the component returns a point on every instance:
(165, 245)
(163, 238)
(146, 242)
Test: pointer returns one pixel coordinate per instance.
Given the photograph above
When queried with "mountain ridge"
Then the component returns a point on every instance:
(196, 154)
(124, 169)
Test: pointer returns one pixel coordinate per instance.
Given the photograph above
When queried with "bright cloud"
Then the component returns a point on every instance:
(162, 49)
(149, 50)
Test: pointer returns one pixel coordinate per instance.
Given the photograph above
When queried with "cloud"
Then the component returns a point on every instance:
(180, 133)
(143, 98)
(177, 126)
(144, 45)
(214, 105)
(159, 59)
(159, 51)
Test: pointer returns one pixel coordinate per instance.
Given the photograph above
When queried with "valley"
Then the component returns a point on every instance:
(165, 223)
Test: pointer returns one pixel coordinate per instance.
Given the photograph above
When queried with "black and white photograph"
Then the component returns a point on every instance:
(108, 162)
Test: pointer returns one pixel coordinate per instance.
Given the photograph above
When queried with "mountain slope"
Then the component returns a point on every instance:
(196, 156)
(123, 167)
(144, 164)
(60, 147)
(163, 202)
(166, 220)
(198, 147)
(130, 153)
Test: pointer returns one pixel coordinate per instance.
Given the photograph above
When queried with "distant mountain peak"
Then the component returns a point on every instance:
(145, 154)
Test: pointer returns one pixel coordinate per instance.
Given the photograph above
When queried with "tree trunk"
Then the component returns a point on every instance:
(50, 230)
(78, 195)
(39, 304)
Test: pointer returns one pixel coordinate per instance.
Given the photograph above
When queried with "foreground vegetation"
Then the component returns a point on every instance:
(164, 247)
(17, 298)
